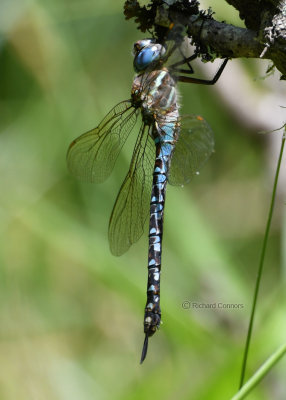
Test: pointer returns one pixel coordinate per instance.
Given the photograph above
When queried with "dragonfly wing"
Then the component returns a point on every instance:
(193, 149)
(131, 208)
(91, 157)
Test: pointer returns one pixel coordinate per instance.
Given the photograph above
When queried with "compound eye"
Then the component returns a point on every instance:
(144, 58)
(148, 55)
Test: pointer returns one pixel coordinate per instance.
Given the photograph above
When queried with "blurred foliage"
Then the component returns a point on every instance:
(70, 313)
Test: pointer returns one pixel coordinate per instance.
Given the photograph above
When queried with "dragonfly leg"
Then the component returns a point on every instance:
(190, 70)
(183, 71)
(184, 61)
(212, 81)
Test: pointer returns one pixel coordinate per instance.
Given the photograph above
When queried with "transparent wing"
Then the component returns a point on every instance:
(193, 149)
(91, 157)
(131, 208)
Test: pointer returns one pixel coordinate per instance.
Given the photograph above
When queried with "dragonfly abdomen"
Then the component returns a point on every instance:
(152, 317)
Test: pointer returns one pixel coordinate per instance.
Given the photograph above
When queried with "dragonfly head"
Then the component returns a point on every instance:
(146, 53)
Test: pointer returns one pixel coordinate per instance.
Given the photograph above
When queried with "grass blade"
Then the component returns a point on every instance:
(261, 264)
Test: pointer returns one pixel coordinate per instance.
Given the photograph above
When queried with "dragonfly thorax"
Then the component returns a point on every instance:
(156, 94)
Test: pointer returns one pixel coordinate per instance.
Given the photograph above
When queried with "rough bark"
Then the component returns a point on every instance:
(264, 35)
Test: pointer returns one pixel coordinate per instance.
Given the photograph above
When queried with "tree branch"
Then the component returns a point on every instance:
(263, 37)
(227, 40)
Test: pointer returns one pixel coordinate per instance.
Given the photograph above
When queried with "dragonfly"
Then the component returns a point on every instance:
(170, 148)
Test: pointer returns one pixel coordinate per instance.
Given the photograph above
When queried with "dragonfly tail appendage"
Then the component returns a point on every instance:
(144, 349)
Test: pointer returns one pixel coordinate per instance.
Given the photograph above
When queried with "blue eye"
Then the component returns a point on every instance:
(146, 52)
(145, 58)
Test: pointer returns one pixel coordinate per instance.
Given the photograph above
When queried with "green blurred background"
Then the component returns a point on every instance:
(71, 314)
